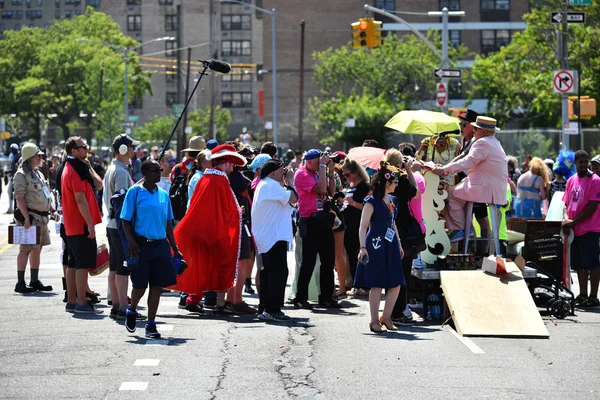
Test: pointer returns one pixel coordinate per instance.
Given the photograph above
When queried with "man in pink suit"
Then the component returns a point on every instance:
(487, 174)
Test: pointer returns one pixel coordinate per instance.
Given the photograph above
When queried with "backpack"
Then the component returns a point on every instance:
(116, 205)
(179, 196)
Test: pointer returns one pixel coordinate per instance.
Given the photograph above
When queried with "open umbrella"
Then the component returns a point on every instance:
(423, 122)
(367, 156)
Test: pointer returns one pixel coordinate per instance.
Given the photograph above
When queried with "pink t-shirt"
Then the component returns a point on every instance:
(578, 193)
(255, 183)
(307, 198)
(415, 204)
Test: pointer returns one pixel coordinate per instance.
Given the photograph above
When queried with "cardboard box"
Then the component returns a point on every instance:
(494, 265)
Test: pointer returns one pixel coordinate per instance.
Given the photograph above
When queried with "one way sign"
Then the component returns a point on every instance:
(572, 18)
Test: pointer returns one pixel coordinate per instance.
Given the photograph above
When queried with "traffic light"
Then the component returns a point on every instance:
(360, 33)
(375, 34)
(585, 109)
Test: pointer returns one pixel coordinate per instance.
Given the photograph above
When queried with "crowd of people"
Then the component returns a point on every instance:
(199, 226)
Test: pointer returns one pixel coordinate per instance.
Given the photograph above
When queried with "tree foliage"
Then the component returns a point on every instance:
(49, 72)
(155, 132)
(517, 80)
(199, 121)
(370, 85)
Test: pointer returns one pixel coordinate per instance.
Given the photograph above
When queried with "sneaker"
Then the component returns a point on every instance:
(70, 308)
(580, 299)
(407, 314)
(330, 304)
(194, 308)
(243, 308)
(130, 321)
(305, 305)
(21, 287)
(40, 287)
(151, 332)
(182, 298)
(275, 317)
(122, 316)
(227, 309)
(248, 286)
(459, 235)
(210, 306)
(590, 302)
(113, 313)
(86, 309)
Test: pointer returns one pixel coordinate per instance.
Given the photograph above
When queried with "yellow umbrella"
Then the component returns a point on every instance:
(423, 122)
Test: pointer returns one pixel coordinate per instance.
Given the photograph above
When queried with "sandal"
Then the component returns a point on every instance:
(376, 328)
(388, 324)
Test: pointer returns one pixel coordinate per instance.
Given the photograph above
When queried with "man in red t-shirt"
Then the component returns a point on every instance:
(81, 214)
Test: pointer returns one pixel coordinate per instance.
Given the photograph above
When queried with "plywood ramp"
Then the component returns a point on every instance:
(483, 304)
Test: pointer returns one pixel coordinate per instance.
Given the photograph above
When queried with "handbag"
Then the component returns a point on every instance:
(411, 234)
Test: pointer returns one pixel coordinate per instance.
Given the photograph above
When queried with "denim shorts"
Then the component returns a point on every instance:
(155, 266)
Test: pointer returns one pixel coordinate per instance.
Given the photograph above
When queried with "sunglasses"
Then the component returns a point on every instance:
(85, 146)
(171, 160)
(348, 174)
(464, 124)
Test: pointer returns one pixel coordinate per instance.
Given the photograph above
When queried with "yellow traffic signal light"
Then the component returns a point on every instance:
(585, 109)
(375, 33)
(360, 33)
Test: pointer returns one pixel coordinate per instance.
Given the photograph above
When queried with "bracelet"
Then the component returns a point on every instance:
(322, 165)
(362, 248)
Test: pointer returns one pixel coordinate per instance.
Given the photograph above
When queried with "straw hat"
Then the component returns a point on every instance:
(197, 143)
(485, 123)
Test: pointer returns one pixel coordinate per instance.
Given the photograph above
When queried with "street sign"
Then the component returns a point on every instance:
(269, 125)
(129, 124)
(442, 94)
(350, 123)
(447, 73)
(564, 82)
(580, 2)
(572, 18)
(571, 128)
(177, 110)
(133, 118)
(4, 135)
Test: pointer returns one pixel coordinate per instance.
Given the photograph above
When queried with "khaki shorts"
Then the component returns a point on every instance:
(44, 235)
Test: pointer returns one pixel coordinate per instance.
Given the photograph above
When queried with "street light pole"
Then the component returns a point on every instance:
(126, 87)
(445, 61)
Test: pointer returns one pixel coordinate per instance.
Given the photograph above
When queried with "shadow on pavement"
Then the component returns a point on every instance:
(168, 341)
(395, 335)
(37, 294)
(90, 316)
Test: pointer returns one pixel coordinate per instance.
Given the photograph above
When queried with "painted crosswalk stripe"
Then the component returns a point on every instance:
(466, 341)
(161, 342)
(146, 362)
(134, 386)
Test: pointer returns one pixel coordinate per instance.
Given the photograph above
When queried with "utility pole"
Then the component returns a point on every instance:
(445, 61)
(301, 106)
(212, 132)
(180, 135)
(187, 89)
(564, 63)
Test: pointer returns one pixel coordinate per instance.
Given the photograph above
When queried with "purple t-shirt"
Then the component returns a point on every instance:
(578, 193)
(307, 198)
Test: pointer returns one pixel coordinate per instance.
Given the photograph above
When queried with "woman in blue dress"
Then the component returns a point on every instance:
(380, 255)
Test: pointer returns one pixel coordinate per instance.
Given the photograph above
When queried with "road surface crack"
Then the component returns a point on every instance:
(226, 336)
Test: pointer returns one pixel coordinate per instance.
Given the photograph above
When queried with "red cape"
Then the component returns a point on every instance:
(208, 236)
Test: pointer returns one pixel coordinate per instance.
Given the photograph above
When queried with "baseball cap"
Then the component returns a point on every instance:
(211, 144)
(14, 146)
(124, 139)
(596, 159)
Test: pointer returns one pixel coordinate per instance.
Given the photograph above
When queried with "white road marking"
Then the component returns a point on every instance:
(466, 341)
(146, 362)
(134, 386)
(160, 342)
(164, 327)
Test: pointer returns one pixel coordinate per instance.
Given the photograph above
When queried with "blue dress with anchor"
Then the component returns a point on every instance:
(384, 269)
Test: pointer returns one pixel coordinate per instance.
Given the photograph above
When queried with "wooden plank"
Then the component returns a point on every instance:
(483, 304)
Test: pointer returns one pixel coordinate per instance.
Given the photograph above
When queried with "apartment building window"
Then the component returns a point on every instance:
(170, 23)
(493, 5)
(170, 79)
(452, 5)
(33, 14)
(134, 23)
(1, 29)
(57, 3)
(1, 3)
(492, 40)
(93, 3)
(236, 22)
(72, 13)
(236, 48)
(236, 77)
(73, 2)
(165, 2)
(28, 3)
(170, 46)
(17, 27)
(11, 14)
(454, 37)
(17, 2)
(171, 99)
(236, 99)
(39, 2)
(389, 5)
(137, 103)
(134, 2)
(57, 14)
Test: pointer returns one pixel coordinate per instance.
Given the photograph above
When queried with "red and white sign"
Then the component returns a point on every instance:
(564, 81)
(442, 94)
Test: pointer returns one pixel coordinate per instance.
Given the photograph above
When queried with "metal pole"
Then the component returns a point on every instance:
(180, 136)
(187, 89)
(301, 105)
(126, 87)
(445, 62)
(579, 131)
(565, 65)
(274, 44)
(212, 131)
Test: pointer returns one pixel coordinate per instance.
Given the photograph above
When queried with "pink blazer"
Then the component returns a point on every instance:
(488, 173)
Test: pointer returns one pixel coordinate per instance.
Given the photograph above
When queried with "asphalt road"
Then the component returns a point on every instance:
(46, 353)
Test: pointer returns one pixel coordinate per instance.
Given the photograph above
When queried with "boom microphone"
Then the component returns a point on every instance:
(216, 65)
(453, 132)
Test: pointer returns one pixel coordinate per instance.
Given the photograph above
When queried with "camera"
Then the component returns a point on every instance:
(336, 159)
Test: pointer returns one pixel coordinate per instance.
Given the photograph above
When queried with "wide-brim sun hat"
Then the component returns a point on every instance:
(229, 153)
(197, 143)
(30, 150)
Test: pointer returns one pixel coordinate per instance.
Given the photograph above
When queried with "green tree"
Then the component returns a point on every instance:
(199, 121)
(49, 72)
(517, 80)
(155, 132)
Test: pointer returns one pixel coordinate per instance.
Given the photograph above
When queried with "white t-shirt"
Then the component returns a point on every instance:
(271, 218)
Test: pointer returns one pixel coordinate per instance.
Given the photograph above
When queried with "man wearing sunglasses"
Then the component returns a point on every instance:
(167, 162)
(117, 177)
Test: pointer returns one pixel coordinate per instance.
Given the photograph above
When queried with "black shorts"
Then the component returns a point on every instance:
(480, 210)
(246, 245)
(585, 251)
(117, 254)
(82, 251)
(155, 266)
(65, 253)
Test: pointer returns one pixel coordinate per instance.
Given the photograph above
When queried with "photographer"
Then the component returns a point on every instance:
(313, 183)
